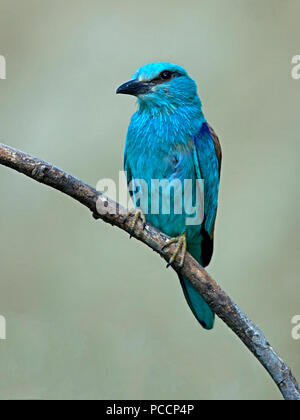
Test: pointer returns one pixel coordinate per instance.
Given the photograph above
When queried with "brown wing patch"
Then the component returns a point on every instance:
(217, 145)
(208, 238)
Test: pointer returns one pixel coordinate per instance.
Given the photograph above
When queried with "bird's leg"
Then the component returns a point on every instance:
(180, 247)
(136, 215)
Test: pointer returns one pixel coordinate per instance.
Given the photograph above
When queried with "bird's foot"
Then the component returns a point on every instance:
(180, 249)
(135, 215)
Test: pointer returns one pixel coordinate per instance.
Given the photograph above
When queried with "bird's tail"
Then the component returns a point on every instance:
(199, 307)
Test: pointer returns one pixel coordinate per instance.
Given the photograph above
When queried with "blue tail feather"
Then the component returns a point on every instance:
(199, 307)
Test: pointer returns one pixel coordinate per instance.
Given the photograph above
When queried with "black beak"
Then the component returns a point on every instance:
(134, 87)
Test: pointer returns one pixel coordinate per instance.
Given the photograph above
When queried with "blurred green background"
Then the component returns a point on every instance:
(91, 314)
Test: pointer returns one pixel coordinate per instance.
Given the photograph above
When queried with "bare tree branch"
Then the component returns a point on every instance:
(217, 299)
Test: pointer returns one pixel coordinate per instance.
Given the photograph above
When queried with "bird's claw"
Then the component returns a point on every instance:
(136, 215)
(181, 246)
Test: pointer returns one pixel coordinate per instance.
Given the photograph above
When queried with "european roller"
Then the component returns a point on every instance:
(169, 139)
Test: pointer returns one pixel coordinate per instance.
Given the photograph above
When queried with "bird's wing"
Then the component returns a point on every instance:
(217, 145)
(208, 157)
(128, 174)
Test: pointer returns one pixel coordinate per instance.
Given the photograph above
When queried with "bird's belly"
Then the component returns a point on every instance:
(161, 185)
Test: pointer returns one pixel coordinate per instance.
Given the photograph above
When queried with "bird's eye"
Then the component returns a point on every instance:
(166, 75)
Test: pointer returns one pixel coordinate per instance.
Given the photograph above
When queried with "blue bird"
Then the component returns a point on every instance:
(169, 139)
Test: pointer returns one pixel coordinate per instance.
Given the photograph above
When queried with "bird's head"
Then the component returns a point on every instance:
(163, 87)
